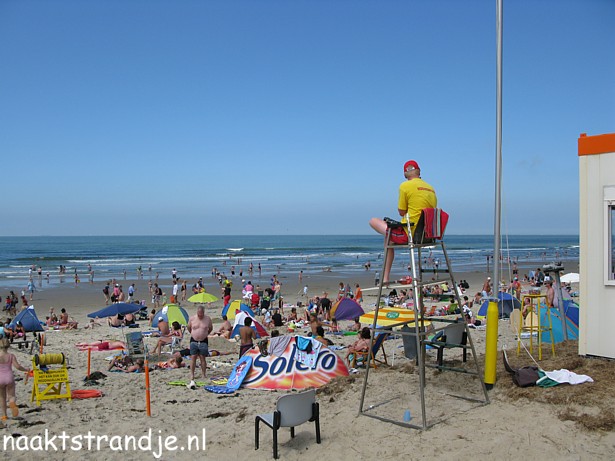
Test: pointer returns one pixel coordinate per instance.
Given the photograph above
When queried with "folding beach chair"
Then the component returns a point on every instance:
(134, 343)
(364, 356)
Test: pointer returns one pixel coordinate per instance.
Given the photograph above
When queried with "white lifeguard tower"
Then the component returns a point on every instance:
(597, 245)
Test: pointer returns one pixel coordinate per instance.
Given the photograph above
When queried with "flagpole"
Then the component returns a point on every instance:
(491, 347)
(498, 147)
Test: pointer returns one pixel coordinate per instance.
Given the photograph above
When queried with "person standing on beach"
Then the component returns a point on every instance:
(7, 379)
(131, 293)
(358, 294)
(247, 336)
(226, 294)
(184, 289)
(487, 288)
(106, 293)
(414, 196)
(550, 293)
(199, 326)
(157, 296)
(31, 289)
(175, 291)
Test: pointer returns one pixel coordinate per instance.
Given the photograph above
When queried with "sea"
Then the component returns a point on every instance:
(196, 256)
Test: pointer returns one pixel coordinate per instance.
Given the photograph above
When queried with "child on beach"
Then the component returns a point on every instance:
(334, 326)
(7, 379)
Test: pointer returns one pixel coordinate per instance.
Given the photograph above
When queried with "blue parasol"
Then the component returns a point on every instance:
(115, 309)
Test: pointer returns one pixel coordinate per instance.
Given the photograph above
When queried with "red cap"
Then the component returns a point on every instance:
(411, 165)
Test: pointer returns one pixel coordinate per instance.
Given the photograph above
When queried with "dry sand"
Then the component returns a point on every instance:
(564, 422)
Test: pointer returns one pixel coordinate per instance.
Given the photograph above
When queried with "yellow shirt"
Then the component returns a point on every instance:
(414, 196)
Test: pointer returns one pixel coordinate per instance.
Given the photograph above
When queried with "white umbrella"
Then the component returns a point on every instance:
(571, 277)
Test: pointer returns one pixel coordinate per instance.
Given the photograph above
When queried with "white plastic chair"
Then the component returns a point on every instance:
(291, 410)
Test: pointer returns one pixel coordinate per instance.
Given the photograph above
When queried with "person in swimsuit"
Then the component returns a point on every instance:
(199, 326)
(173, 362)
(360, 345)
(225, 329)
(168, 339)
(101, 345)
(126, 365)
(7, 379)
(247, 335)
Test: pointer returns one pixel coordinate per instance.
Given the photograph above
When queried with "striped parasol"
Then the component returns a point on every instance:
(388, 316)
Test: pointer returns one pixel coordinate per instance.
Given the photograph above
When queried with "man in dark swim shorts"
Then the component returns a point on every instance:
(199, 326)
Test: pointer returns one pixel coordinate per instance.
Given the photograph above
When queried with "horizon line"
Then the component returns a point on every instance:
(271, 235)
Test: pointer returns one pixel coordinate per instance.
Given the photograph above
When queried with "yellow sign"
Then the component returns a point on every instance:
(51, 380)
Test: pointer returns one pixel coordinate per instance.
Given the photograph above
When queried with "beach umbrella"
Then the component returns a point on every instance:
(256, 326)
(28, 319)
(171, 313)
(346, 309)
(202, 297)
(230, 309)
(571, 277)
(115, 309)
(388, 316)
(506, 304)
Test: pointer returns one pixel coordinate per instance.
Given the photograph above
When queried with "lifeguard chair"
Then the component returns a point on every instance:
(427, 235)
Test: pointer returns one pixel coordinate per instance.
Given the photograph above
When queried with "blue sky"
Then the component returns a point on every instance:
(294, 117)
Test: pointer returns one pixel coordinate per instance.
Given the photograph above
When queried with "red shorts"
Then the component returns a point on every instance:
(399, 236)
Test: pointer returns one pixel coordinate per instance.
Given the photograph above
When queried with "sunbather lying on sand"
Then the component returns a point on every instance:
(173, 362)
(127, 365)
(101, 345)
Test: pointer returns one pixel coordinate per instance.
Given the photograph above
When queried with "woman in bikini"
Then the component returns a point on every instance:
(168, 339)
(101, 345)
(360, 345)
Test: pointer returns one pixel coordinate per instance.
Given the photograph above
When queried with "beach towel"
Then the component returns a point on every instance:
(277, 345)
(435, 222)
(185, 383)
(309, 355)
(564, 376)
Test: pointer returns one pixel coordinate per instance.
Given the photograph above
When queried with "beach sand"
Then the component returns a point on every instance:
(564, 422)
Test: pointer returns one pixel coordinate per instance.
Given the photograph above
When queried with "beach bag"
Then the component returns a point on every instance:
(526, 376)
(522, 377)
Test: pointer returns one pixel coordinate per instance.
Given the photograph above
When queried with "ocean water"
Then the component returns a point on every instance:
(195, 256)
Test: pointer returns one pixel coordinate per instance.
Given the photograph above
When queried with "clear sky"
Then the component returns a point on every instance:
(294, 117)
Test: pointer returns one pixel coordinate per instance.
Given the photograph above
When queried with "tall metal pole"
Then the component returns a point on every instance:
(498, 147)
(491, 345)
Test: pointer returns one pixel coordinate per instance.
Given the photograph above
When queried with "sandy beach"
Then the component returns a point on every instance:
(564, 422)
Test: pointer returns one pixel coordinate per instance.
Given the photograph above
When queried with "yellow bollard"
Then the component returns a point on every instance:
(491, 346)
